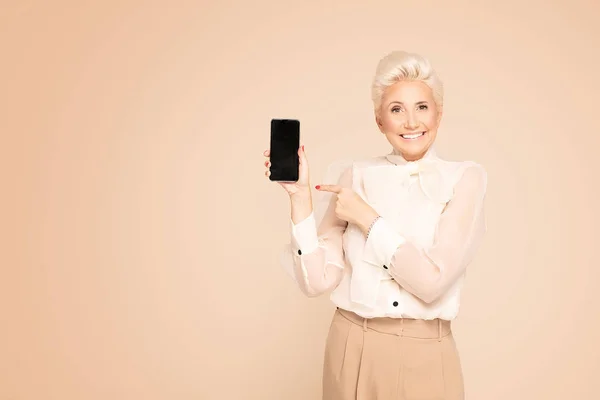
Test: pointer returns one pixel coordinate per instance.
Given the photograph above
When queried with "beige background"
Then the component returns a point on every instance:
(140, 236)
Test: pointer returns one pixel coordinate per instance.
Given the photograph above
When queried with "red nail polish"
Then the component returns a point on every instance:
(302, 147)
(318, 187)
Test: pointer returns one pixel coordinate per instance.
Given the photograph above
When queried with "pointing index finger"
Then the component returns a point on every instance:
(329, 188)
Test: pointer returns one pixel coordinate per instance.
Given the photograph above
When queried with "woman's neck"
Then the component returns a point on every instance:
(398, 155)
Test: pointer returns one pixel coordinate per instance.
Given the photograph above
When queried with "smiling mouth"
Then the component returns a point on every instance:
(413, 135)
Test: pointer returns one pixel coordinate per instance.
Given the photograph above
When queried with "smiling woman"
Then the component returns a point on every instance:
(392, 248)
(408, 99)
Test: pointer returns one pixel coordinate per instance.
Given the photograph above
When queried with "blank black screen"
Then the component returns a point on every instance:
(285, 141)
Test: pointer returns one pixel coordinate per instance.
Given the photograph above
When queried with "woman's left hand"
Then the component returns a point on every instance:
(351, 207)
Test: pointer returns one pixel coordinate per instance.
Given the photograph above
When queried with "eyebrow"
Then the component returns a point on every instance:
(401, 103)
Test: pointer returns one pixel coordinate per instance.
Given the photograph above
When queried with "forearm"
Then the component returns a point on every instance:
(409, 265)
(314, 274)
(301, 206)
(318, 259)
(429, 271)
(366, 220)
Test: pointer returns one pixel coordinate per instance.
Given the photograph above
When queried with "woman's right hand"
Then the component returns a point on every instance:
(302, 186)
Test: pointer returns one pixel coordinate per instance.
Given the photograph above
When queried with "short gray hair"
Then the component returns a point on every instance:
(401, 65)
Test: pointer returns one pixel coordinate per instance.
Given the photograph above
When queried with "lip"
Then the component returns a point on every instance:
(413, 133)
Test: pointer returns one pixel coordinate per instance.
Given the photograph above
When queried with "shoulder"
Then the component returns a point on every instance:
(374, 162)
(343, 171)
(467, 176)
(463, 170)
(367, 162)
(473, 173)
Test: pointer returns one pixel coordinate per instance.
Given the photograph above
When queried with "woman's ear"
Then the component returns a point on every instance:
(440, 113)
(378, 121)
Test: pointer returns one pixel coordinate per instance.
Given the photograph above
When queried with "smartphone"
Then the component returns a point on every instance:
(285, 142)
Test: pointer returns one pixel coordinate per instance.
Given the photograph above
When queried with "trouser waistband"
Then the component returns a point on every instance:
(407, 327)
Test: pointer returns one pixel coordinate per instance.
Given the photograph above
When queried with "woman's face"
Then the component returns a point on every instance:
(407, 108)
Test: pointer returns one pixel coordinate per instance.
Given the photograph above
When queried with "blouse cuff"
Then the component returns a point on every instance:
(304, 235)
(382, 244)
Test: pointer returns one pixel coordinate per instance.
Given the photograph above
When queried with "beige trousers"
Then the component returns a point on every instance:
(390, 359)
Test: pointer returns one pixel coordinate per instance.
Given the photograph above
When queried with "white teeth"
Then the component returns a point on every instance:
(412, 136)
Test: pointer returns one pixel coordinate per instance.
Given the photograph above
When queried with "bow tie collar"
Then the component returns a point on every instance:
(429, 169)
(416, 167)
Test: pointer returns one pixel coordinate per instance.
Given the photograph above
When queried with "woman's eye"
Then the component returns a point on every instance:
(423, 107)
(395, 109)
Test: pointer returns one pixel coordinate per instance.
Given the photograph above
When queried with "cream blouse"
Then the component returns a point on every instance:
(413, 262)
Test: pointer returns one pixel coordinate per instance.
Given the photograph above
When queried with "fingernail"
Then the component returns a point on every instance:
(302, 147)
(318, 187)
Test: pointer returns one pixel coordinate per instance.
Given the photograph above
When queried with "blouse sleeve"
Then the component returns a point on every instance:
(317, 255)
(427, 273)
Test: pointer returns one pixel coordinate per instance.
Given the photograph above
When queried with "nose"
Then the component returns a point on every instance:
(411, 122)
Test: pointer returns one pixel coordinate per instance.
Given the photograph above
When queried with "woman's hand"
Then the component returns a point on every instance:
(302, 186)
(351, 207)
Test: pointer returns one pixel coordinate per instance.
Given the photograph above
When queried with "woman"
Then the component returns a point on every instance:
(392, 248)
